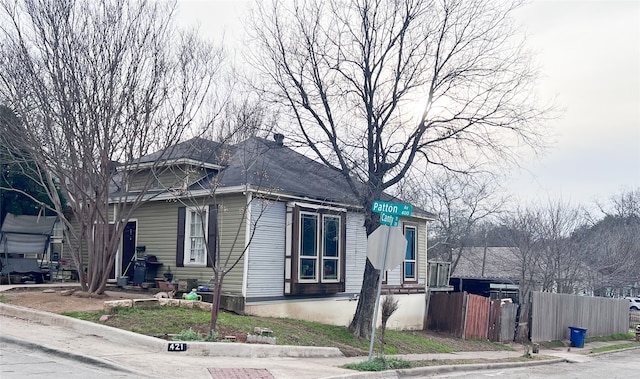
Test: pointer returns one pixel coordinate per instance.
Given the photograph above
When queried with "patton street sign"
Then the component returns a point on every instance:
(393, 209)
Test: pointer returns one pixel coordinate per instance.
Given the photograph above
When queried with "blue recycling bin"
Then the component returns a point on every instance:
(577, 336)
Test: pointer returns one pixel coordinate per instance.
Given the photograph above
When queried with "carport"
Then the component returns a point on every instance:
(20, 238)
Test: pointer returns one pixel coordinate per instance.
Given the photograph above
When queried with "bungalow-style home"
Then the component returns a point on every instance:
(295, 224)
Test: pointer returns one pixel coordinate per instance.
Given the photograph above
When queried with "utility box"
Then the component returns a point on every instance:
(187, 284)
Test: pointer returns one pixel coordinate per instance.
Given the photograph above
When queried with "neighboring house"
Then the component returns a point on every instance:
(297, 221)
(487, 271)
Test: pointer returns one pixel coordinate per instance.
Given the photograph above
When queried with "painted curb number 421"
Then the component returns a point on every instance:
(177, 346)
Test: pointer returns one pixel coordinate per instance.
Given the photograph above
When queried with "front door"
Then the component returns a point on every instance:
(128, 249)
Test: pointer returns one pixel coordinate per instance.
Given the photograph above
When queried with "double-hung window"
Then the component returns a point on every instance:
(409, 264)
(308, 258)
(331, 240)
(196, 230)
(317, 256)
(197, 236)
(320, 245)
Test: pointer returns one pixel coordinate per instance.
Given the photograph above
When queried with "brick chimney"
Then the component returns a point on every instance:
(279, 138)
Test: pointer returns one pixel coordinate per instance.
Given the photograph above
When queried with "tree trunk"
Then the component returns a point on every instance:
(215, 306)
(361, 324)
(522, 332)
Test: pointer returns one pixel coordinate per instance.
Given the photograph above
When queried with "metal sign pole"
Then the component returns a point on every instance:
(375, 312)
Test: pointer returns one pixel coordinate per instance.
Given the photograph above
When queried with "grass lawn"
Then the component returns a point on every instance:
(166, 322)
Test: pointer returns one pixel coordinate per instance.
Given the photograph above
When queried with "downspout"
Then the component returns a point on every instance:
(427, 289)
(247, 236)
(117, 264)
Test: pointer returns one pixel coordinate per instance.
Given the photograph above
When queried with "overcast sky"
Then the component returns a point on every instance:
(589, 52)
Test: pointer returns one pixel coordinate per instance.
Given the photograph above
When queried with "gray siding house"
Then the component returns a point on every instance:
(288, 229)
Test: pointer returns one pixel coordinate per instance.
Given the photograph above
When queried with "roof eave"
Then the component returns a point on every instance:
(170, 162)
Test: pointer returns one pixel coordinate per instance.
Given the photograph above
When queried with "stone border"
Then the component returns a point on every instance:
(131, 303)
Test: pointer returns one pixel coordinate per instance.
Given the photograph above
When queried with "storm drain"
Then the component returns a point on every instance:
(240, 373)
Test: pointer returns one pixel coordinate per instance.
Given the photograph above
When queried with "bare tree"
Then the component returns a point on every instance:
(98, 84)
(375, 87)
(242, 119)
(521, 231)
(562, 266)
(463, 205)
(612, 245)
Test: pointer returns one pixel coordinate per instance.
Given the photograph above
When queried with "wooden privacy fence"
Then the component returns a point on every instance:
(476, 317)
(552, 315)
(471, 316)
(446, 313)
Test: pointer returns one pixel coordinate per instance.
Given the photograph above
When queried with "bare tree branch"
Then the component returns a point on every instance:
(97, 85)
(376, 88)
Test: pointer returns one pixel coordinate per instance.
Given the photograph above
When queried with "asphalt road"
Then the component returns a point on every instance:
(17, 361)
(623, 364)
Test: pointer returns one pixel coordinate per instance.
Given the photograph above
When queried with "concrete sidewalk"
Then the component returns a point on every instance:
(149, 357)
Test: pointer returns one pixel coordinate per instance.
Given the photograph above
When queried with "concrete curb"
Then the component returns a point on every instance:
(612, 351)
(70, 356)
(432, 370)
(112, 334)
(152, 344)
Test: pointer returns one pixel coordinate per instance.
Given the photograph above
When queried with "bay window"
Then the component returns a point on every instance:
(315, 262)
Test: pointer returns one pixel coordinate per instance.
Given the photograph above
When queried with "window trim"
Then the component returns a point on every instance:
(315, 257)
(294, 285)
(187, 236)
(413, 279)
(322, 257)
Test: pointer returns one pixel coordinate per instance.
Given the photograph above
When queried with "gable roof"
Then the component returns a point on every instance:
(264, 165)
(258, 163)
(269, 166)
(196, 149)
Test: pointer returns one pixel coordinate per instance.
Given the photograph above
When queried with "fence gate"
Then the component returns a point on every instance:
(494, 321)
(508, 316)
(477, 318)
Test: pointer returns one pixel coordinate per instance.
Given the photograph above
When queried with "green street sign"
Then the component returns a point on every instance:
(393, 209)
(389, 219)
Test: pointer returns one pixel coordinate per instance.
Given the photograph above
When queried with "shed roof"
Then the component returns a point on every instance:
(489, 262)
(25, 234)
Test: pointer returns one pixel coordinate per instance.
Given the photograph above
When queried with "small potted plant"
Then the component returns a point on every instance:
(168, 275)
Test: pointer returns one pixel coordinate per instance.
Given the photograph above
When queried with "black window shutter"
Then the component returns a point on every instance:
(212, 238)
(182, 211)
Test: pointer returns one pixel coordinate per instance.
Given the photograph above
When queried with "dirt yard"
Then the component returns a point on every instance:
(60, 300)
